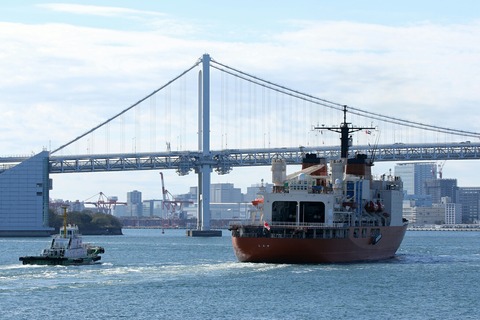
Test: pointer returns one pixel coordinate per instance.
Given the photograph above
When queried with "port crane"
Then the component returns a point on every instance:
(104, 204)
(172, 206)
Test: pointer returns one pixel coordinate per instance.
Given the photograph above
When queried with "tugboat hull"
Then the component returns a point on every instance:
(39, 260)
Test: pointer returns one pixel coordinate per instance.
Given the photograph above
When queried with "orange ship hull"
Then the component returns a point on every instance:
(352, 248)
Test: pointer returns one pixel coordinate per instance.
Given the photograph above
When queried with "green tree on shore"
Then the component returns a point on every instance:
(89, 223)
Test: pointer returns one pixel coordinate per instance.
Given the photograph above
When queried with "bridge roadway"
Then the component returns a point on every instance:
(223, 161)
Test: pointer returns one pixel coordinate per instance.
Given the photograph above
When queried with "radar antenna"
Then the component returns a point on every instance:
(345, 130)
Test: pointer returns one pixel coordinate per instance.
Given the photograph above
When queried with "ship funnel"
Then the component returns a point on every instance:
(311, 160)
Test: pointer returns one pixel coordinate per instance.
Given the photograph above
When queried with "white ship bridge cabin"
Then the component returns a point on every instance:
(329, 200)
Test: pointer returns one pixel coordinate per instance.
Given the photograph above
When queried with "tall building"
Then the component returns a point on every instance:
(24, 196)
(414, 175)
(134, 204)
(469, 198)
(439, 188)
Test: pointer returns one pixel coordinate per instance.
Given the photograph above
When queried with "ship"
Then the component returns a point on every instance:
(66, 248)
(324, 213)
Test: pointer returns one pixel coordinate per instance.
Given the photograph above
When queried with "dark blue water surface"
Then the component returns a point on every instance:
(145, 274)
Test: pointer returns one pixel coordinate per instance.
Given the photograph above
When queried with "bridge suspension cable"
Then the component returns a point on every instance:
(257, 99)
(127, 109)
(338, 106)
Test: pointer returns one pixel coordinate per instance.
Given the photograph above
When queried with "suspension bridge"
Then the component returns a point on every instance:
(213, 117)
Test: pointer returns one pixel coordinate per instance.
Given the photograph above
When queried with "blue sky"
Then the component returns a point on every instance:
(221, 20)
(65, 66)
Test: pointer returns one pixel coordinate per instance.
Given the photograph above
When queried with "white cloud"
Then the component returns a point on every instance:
(101, 11)
(59, 80)
(424, 66)
(153, 20)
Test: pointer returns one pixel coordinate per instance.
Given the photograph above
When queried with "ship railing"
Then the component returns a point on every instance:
(307, 225)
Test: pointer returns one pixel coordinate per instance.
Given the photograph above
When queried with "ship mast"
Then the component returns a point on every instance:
(64, 221)
(345, 130)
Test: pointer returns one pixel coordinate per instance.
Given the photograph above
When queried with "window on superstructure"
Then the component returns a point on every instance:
(312, 212)
(284, 211)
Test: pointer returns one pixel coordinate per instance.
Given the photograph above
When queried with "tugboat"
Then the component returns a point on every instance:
(66, 248)
(334, 214)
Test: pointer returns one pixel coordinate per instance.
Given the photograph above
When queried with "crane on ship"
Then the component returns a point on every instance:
(104, 204)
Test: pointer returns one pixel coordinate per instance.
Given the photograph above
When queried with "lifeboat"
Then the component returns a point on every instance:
(371, 206)
(257, 201)
(380, 206)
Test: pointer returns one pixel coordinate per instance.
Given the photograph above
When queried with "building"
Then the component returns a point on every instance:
(153, 208)
(227, 202)
(469, 198)
(419, 201)
(409, 212)
(444, 212)
(429, 215)
(419, 179)
(439, 188)
(24, 198)
(134, 204)
(120, 211)
(414, 175)
(225, 193)
(453, 211)
(229, 211)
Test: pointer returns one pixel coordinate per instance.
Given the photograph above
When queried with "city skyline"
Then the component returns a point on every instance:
(188, 190)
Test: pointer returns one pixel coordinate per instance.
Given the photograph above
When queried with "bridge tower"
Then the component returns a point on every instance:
(204, 170)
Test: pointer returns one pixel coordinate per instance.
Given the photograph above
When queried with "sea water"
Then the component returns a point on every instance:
(147, 274)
